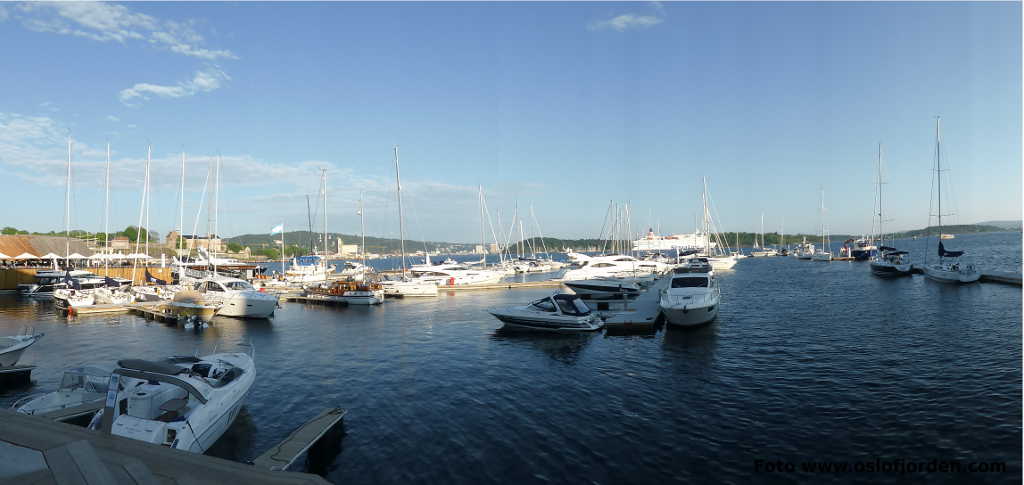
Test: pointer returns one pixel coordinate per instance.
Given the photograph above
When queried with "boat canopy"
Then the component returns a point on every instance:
(174, 381)
(571, 304)
(150, 366)
(948, 254)
(307, 260)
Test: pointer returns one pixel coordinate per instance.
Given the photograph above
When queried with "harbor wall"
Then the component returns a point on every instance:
(11, 278)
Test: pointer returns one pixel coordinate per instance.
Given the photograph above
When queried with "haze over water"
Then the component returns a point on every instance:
(807, 361)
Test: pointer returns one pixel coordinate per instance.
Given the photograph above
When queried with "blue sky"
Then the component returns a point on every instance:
(563, 106)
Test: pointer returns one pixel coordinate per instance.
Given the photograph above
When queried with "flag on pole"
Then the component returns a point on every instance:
(277, 229)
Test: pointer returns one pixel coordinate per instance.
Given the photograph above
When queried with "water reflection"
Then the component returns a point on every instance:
(238, 441)
(695, 345)
(564, 348)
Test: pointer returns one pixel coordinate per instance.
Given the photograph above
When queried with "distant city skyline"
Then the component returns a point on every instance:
(562, 106)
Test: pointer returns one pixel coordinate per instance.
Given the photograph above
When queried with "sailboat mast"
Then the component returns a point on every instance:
(67, 208)
(323, 181)
(362, 227)
(938, 168)
(881, 233)
(707, 232)
(106, 214)
(480, 202)
(401, 214)
(149, 197)
(181, 198)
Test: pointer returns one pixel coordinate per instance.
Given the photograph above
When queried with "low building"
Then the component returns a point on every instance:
(120, 243)
(191, 242)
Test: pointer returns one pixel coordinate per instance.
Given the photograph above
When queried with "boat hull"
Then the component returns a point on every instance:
(883, 270)
(951, 276)
(689, 316)
(242, 306)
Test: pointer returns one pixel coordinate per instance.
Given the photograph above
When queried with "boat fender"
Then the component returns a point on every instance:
(451, 281)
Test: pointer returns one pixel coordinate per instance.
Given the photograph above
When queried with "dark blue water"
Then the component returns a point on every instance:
(807, 361)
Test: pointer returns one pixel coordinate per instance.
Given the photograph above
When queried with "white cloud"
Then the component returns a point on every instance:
(105, 22)
(205, 80)
(624, 22)
(113, 118)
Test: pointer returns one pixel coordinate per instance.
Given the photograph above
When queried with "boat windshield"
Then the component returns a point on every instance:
(690, 282)
(238, 285)
(80, 379)
(571, 305)
(544, 304)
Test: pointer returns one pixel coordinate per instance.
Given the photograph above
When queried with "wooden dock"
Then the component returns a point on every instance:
(281, 456)
(43, 451)
(1005, 278)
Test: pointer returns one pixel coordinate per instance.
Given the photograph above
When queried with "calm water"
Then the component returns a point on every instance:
(807, 361)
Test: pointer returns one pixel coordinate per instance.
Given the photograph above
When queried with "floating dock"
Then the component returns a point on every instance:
(1013, 279)
(40, 450)
(281, 456)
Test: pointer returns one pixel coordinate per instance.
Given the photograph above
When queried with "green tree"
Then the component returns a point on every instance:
(271, 253)
(235, 248)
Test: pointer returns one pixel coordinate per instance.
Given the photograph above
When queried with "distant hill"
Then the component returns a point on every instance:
(374, 244)
(957, 229)
(1008, 225)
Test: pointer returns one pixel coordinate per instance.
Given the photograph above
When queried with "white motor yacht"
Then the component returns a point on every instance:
(409, 287)
(79, 385)
(155, 292)
(691, 299)
(236, 298)
(615, 266)
(697, 264)
(72, 298)
(457, 275)
(354, 271)
(11, 347)
(559, 313)
(184, 403)
(605, 288)
(524, 265)
(46, 281)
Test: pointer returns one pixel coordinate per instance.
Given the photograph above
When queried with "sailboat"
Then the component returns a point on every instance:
(765, 250)
(948, 269)
(717, 255)
(71, 295)
(405, 286)
(887, 261)
(313, 268)
(825, 252)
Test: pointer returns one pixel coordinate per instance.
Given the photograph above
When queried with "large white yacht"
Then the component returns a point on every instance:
(235, 297)
(456, 275)
(691, 299)
(185, 403)
(614, 266)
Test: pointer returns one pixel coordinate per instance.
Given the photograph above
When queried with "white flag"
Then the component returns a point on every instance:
(277, 229)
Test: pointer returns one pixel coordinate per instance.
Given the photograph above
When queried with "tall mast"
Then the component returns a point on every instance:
(216, 212)
(707, 237)
(149, 162)
(67, 208)
(106, 213)
(480, 201)
(323, 176)
(181, 201)
(401, 213)
(881, 234)
(938, 168)
(362, 226)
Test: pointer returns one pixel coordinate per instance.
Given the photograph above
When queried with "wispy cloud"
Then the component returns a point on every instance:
(628, 21)
(105, 22)
(113, 118)
(205, 80)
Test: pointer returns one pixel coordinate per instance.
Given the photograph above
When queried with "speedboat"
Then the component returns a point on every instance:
(890, 263)
(235, 297)
(408, 287)
(525, 265)
(863, 249)
(46, 281)
(691, 299)
(694, 265)
(155, 292)
(184, 403)
(79, 385)
(559, 313)
(723, 262)
(191, 303)
(763, 252)
(821, 256)
(11, 347)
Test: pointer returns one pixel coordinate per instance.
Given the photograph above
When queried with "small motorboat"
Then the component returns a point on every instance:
(155, 292)
(80, 385)
(191, 303)
(890, 263)
(694, 265)
(691, 299)
(72, 298)
(12, 347)
(185, 403)
(351, 292)
(559, 313)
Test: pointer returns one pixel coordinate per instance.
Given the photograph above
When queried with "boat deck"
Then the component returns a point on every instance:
(44, 451)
